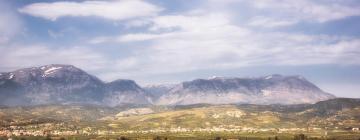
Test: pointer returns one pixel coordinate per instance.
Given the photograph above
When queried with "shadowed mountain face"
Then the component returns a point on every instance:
(63, 84)
(156, 91)
(125, 92)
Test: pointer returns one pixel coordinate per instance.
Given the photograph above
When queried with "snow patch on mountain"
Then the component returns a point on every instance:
(51, 70)
(11, 76)
(268, 77)
(215, 77)
(69, 84)
(273, 89)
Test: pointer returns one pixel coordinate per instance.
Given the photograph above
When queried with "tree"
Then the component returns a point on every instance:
(47, 138)
(157, 138)
(122, 138)
(300, 137)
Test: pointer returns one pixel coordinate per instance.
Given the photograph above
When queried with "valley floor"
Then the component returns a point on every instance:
(202, 136)
(334, 119)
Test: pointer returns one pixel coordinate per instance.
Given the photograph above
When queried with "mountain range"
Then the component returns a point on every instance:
(67, 84)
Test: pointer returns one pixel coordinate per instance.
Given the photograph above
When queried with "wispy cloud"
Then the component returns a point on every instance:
(10, 23)
(212, 41)
(187, 41)
(16, 57)
(306, 10)
(145, 40)
(261, 21)
(112, 10)
(281, 13)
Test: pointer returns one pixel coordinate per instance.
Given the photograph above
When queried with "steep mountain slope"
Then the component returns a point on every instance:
(63, 84)
(156, 91)
(125, 92)
(274, 89)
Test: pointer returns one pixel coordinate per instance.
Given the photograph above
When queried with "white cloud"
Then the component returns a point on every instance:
(137, 23)
(113, 10)
(15, 57)
(140, 37)
(191, 41)
(101, 39)
(88, 59)
(261, 21)
(281, 13)
(307, 10)
(190, 22)
(211, 41)
(172, 26)
(127, 38)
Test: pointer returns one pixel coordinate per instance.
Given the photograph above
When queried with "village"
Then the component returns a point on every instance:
(59, 130)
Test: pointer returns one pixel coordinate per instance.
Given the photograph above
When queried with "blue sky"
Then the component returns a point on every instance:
(158, 41)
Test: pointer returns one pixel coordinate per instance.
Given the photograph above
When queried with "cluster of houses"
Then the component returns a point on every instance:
(44, 131)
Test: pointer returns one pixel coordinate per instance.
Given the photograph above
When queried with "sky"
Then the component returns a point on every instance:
(164, 42)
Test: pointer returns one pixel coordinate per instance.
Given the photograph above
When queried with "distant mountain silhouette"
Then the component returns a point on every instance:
(66, 84)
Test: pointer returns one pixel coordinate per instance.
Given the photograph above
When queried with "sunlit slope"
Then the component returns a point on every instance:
(202, 117)
(340, 113)
(335, 113)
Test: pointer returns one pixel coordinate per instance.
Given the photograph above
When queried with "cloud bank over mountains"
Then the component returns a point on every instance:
(156, 37)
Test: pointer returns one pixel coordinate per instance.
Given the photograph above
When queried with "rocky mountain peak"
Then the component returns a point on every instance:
(56, 68)
(57, 83)
(53, 71)
(272, 89)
